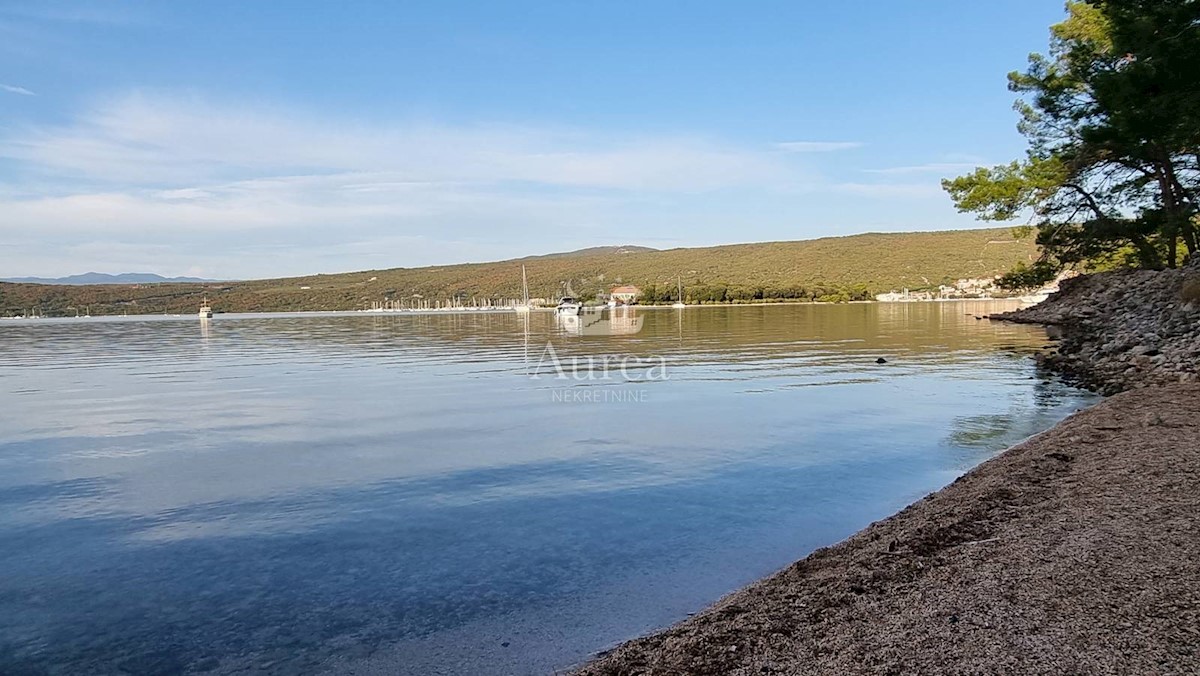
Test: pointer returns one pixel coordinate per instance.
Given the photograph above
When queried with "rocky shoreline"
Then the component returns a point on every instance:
(1077, 551)
(1123, 330)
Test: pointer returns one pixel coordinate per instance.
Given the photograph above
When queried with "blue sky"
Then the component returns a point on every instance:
(252, 139)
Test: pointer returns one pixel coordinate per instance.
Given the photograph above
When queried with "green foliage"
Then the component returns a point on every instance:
(1025, 276)
(834, 268)
(1112, 117)
(1002, 193)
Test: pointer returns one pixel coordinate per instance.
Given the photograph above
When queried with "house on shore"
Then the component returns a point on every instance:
(625, 295)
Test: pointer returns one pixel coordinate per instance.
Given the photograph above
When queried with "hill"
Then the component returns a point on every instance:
(102, 278)
(832, 268)
(597, 251)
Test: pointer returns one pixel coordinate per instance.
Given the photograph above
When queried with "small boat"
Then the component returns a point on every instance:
(206, 311)
(679, 303)
(568, 306)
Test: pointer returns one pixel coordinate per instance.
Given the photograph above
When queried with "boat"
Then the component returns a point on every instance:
(679, 303)
(206, 311)
(568, 306)
(524, 306)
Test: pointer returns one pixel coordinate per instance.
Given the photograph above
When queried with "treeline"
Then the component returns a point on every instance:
(656, 294)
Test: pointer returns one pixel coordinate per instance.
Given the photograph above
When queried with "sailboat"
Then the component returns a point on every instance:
(524, 306)
(679, 285)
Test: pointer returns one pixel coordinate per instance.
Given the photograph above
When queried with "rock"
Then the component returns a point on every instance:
(881, 360)
(1123, 329)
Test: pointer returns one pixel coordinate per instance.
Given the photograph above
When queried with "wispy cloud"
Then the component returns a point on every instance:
(177, 143)
(68, 12)
(929, 168)
(889, 190)
(13, 89)
(259, 190)
(817, 146)
(164, 170)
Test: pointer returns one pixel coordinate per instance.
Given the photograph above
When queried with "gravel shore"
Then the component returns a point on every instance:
(1077, 551)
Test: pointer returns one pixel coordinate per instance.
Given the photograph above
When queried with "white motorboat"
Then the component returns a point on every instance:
(568, 306)
(206, 311)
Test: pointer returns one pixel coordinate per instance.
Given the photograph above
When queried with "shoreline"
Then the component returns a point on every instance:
(1123, 330)
(1075, 549)
(505, 310)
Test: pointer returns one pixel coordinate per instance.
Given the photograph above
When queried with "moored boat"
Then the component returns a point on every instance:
(568, 306)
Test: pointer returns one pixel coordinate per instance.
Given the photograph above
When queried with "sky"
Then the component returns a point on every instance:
(235, 140)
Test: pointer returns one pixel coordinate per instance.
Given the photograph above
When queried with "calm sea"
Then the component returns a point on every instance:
(472, 493)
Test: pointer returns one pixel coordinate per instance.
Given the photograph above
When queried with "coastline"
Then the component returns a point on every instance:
(1075, 550)
(503, 310)
(1123, 330)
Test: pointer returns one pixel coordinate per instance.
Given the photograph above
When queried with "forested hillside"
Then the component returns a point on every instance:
(832, 269)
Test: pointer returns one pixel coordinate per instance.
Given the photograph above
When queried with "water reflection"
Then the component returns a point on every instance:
(396, 491)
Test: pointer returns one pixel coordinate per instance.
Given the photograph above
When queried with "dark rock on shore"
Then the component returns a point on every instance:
(1123, 330)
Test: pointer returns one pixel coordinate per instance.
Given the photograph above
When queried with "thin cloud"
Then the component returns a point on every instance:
(13, 89)
(817, 146)
(169, 143)
(168, 171)
(98, 14)
(928, 168)
(889, 190)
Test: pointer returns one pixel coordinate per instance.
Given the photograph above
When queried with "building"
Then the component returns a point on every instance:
(626, 294)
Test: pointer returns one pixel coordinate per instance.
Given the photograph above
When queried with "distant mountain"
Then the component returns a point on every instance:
(102, 278)
(599, 250)
(592, 251)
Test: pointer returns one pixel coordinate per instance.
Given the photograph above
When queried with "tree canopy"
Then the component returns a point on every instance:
(1112, 117)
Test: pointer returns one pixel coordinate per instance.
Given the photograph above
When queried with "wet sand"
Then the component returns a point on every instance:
(1077, 551)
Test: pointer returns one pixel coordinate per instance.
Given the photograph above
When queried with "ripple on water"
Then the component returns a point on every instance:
(397, 493)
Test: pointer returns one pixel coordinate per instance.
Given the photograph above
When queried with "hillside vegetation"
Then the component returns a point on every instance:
(832, 269)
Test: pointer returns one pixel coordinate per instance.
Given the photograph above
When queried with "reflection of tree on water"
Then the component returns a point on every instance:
(982, 431)
(995, 432)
